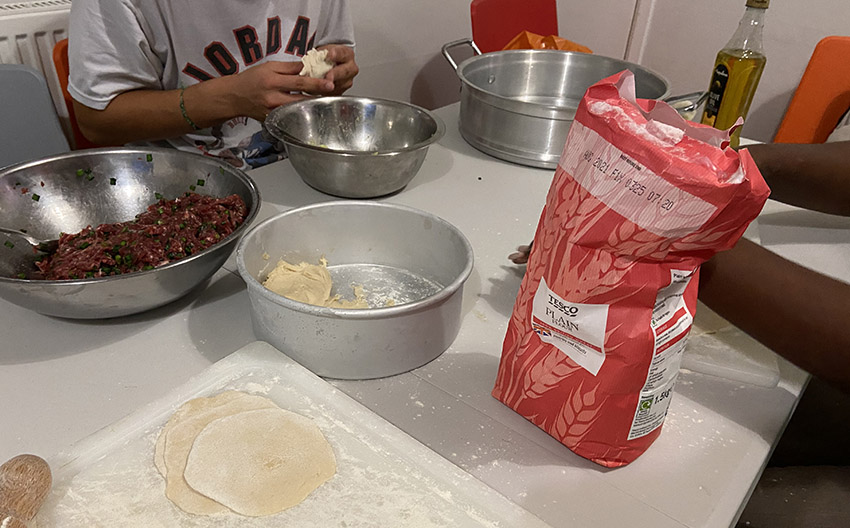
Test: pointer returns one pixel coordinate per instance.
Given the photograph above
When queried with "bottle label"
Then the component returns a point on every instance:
(760, 4)
(715, 93)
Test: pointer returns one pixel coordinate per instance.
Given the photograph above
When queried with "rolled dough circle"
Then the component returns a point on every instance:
(179, 438)
(259, 462)
(193, 406)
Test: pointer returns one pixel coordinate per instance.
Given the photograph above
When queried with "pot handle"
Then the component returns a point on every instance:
(457, 43)
(687, 104)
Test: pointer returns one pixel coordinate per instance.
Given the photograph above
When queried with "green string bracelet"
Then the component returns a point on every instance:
(183, 111)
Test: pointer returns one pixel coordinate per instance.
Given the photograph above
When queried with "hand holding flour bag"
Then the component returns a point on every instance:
(639, 200)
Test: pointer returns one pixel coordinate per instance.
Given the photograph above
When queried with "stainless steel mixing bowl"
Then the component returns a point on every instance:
(68, 192)
(355, 147)
(411, 264)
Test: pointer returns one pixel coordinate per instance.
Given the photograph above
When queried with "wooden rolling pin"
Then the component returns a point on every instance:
(24, 484)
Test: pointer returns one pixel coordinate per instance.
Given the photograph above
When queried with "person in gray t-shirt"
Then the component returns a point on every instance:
(201, 75)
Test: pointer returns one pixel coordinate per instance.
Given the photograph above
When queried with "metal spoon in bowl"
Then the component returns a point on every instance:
(19, 253)
(43, 246)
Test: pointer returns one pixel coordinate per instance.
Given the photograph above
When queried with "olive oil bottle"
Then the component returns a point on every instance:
(737, 71)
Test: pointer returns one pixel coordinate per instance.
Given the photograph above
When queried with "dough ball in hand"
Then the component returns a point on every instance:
(316, 64)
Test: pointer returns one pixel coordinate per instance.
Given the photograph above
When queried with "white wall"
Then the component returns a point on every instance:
(399, 44)
(399, 41)
(601, 25)
(680, 39)
(398, 49)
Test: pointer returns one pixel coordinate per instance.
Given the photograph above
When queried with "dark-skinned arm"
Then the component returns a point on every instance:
(798, 313)
(812, 176)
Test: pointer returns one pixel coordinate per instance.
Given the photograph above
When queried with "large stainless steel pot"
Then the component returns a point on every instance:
(518, 105)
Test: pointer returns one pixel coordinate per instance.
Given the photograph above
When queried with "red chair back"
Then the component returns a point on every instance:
(496, 22)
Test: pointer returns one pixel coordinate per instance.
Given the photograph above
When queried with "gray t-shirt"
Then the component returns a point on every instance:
(120, 45)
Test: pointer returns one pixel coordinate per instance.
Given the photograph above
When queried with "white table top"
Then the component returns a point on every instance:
(62, 380)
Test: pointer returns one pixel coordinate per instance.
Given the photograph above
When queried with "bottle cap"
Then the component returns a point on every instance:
(761, 4)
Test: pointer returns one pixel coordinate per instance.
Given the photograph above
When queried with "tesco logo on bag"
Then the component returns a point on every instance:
(577, 330)
(570, 310)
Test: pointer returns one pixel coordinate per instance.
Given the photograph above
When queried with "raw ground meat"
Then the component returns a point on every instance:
(169, 230)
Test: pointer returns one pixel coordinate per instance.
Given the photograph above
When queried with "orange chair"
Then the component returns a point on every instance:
(496, 22)
(60, 62)
(822, 97)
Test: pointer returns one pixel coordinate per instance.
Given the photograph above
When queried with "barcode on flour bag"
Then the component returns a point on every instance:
(639, 200)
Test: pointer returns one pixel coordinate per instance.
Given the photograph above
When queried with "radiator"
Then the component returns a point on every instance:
(28, 32)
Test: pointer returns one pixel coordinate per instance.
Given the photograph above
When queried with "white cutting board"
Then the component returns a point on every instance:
(718, 348)
(385, 478)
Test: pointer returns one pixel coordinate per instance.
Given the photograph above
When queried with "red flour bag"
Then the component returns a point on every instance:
(640, 198)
